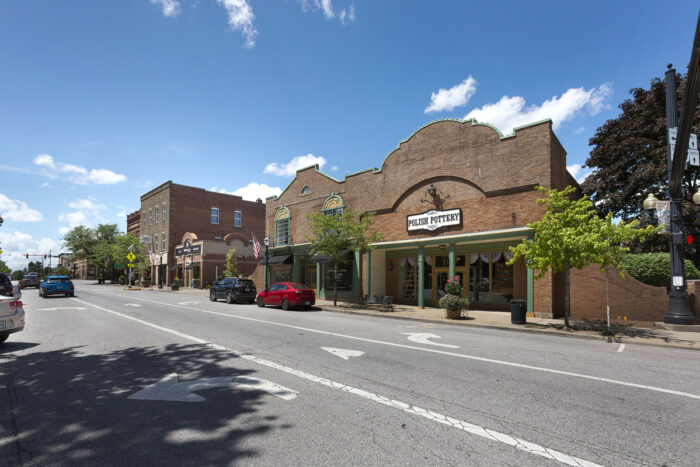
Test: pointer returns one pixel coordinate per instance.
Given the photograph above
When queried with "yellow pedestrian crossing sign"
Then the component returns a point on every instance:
(131, 256)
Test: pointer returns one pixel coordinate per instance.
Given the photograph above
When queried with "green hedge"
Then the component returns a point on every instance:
(655, 268)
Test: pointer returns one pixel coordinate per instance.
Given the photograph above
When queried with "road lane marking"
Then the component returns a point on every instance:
(345, 354)
(622, 347)
(62, 308)
(171, 389)
(135, 305)
(424, 338)
(487, 433)
(442, 352)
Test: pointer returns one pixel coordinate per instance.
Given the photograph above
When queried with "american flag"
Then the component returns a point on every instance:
(256, 246)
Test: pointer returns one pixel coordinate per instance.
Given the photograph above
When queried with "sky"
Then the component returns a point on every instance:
(101, 101)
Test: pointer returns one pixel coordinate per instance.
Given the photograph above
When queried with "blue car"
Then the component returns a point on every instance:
(56, 285)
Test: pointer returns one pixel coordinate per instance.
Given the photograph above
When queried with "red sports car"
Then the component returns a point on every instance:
(287, 295)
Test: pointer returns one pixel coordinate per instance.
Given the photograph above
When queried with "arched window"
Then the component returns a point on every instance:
(282, 218)
(306, 190)
(333, 206)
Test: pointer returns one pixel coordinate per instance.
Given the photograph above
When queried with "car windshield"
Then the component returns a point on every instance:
(246, 283)
(297, 285)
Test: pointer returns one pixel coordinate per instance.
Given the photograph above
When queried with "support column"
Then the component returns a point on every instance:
(296, 269)
(357, 276)
(530, 292)
(453, 259)
(319, 285)
(368, 275)
(419, 279)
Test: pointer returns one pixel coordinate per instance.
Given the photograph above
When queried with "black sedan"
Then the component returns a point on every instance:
(233, 289)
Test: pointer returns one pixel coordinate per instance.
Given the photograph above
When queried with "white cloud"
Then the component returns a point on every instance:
(240, 18)
(252, 191)
(579, 130)
(76, 173)
(345, 15)
(84, 209)
(170, 8)
(74, 219)
(578, 172)
(86, 204)
(15, 210)
(456, 96)
(290, 169)
(334, 168)
(63, 230)
(510, 112)
(16, 244)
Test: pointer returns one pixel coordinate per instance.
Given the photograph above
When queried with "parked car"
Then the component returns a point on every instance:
(29, 280)
(11, 309)
(287, 295)
(233, 289)
(56, 285)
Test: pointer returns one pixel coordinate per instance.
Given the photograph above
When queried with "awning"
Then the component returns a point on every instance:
(192, 265)
(316, 258)
(279, 259)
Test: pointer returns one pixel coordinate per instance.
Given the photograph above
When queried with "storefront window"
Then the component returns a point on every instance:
(343, 279)
(407, 279)
(428, 279)
(282, 232)
(502, 291)
(479, 284)
(280, 273)
(443, 261)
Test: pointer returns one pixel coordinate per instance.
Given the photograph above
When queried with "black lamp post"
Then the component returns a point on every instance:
(267, 245)
(160, 272)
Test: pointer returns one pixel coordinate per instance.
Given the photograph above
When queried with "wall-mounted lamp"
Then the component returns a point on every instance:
(436, 196)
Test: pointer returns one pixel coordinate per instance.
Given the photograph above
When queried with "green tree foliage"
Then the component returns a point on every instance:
(120, 248)
(17, 275)
(655, 268)
(630, 160)
(231, 264)
(333, 235)
(572, 235)
(4, 268)
(81, 241)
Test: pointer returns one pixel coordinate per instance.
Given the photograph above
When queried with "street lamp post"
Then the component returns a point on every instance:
(267, 245)
(160, 272)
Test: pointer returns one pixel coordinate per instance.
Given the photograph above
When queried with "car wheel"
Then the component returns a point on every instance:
(261, 303)
(229, 298)
(212, 296)
(72, 294)
(3, 338)
(285, 304)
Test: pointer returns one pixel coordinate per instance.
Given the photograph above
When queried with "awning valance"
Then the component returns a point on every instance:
(192, 265)
(316, 258)
(278, 259)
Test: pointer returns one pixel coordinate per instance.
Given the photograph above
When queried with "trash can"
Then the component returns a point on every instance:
(518, 311)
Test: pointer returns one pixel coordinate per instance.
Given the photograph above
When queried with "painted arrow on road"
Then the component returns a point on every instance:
(62, 308)
(345, 354)
(133, 304)
(170, 389)
(423, 338)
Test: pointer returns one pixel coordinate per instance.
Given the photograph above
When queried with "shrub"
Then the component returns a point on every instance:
(175, 284)
(208, 286)
(655, 268)
(453, 287)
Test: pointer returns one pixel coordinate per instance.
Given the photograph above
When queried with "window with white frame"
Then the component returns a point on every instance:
(157, 214)
(218, 239)
(162, 242)
(155, 242)
(214, 215)
(282, 232)
(333, 206)
(143, 217)
(165, 211)
(237, 218)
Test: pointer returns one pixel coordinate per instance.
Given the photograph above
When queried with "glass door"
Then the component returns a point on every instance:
(311, 278)
(441, 276)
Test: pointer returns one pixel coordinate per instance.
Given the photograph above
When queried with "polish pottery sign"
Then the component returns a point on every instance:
(433, 220)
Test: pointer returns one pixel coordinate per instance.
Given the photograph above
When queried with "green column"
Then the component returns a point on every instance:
(530, 291)
(421, 273)
(368, 278)
(357, 279)
(296, 269)
(319, 284)
(453, 259)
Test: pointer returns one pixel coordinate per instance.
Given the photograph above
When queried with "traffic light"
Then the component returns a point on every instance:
(44, 255)
(27, 255)
(692, 239)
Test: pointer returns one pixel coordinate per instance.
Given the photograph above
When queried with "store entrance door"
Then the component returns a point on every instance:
(311, 278)
(440, 277)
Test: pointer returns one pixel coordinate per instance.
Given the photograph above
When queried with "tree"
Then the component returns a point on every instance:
(630, 160)
(4, 268)
(333, 235)
(120, 248)
(571, 234)
(103, 252)
(81, 241)
(231, 264)
(17, 275)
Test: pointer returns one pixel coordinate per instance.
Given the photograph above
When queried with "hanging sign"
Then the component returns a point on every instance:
(188, 250)
(433, 220)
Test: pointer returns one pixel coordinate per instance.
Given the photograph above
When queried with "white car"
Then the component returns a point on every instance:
(11, 310)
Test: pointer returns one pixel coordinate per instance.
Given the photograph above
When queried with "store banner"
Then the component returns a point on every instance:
(433, 220)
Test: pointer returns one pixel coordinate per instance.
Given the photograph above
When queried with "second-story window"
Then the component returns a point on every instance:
(163, 242)
(157, 213)
(143, 216)
(333, 206)
(217, 239)
(155, 242)
(237, 218)
(165, 211)
(214, 215)
(282, 219)
(150, 217)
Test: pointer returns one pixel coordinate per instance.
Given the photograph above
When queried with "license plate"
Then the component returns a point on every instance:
(307, 303)
(2, 325)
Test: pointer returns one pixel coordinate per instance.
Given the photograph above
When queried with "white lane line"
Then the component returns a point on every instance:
(621, 348)
(445, 352)
(492, 435)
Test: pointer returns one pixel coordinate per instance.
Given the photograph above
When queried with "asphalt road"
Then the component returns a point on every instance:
(115, 377)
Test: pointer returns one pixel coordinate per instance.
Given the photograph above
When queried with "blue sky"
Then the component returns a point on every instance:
(102, 100)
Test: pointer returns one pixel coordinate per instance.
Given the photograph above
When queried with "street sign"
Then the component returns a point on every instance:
(131, 265)
(0, 252)
(131, 256)
(117, 265)
(693, 153)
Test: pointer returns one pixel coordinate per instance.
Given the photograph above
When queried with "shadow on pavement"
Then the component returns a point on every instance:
(70, 408)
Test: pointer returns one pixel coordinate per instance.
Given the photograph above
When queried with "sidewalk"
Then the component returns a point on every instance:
(652, 335)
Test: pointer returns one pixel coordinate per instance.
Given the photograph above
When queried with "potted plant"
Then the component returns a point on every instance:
(453, 303)
(175, 284)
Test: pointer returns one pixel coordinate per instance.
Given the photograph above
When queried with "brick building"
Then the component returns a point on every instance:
(449, 200)
(133, 223)
(171, 214)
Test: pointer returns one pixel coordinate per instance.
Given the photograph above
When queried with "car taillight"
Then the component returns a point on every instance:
(16, 304)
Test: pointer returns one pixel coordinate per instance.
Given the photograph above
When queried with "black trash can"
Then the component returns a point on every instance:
(518, 311)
